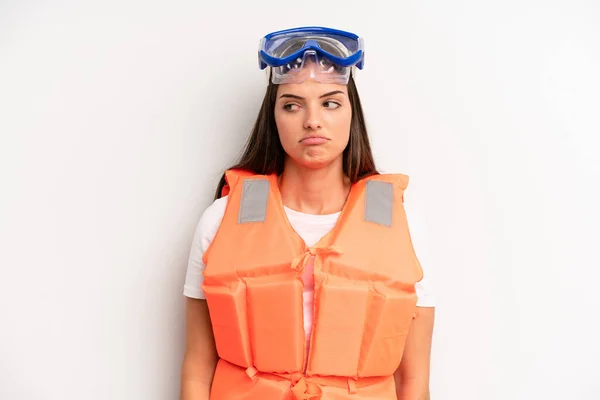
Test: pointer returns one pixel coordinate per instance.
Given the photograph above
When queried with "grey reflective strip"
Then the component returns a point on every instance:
(379, 202)
(253, 207)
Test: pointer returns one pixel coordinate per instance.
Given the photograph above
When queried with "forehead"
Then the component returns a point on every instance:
(310, 88)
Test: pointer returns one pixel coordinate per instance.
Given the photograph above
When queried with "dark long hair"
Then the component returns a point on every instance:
(264, 154)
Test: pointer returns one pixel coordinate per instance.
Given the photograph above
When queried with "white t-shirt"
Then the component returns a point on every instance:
(311, 228)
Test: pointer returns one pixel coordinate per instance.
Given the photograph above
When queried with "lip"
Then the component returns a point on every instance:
(314, 140)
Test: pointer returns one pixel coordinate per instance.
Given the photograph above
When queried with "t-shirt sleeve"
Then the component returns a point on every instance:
(424, 288)
(205, 233)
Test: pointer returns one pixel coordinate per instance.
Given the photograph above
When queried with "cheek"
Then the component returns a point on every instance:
(340, 125)
(286, 126)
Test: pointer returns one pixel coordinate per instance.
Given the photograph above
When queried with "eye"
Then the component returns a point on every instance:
(290, 107)
(331, 104)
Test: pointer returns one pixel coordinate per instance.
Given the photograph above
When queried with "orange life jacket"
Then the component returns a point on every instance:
(365, 271)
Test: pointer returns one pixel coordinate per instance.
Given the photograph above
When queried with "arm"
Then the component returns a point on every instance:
(200, 358)
(412, 376)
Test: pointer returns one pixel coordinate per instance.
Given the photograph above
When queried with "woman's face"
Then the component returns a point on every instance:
(313, 121)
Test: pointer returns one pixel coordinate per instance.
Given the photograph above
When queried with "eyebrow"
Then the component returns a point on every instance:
(293, 96)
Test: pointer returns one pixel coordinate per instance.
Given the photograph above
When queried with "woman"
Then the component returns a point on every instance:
(308, 284)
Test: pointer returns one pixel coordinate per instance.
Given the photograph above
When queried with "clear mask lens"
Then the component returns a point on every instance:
(313, 66)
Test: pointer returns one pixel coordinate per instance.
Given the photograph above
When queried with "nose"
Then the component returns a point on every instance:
(313, 120)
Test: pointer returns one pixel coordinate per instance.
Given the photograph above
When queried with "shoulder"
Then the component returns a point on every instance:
(215, 211)
(209, 222)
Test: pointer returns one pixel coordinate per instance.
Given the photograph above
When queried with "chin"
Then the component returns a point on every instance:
(316, 165)
(316, 162)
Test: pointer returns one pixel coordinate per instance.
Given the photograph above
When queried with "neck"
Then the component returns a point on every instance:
(314, 191)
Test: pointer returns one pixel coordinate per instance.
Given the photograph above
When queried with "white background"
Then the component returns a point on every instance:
(117, 118)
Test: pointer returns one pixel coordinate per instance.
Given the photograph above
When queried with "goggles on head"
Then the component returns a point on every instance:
(326, 55)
